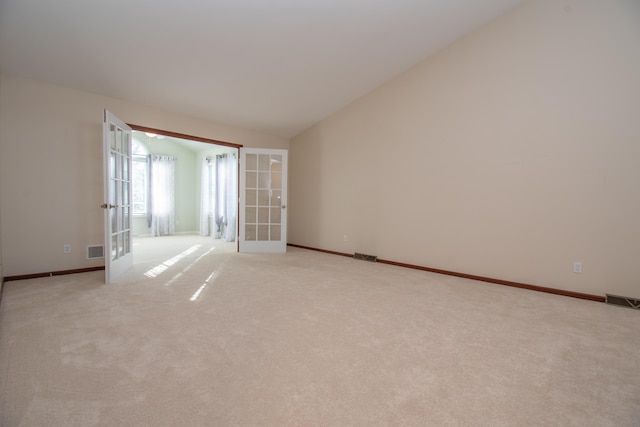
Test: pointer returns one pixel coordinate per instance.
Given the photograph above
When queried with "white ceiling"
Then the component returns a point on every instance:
(275, 66)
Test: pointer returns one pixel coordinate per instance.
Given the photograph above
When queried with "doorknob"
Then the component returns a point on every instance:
(284, 206)
(108, 206)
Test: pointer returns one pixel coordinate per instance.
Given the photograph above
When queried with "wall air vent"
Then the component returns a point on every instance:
(623, 301)
(363, 257)
(95, 252)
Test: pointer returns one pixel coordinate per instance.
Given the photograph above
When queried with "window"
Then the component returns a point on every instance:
(140, 177)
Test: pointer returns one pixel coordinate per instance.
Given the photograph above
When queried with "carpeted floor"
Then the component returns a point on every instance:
(209, 337)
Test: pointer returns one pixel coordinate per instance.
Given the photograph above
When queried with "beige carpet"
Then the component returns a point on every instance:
(209, 337)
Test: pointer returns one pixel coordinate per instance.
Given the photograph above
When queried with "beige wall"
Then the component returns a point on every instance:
(510, 154)
(51, 169)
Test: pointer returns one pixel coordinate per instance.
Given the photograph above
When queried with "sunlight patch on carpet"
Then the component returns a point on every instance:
(161, 268)
(188, 267)
(211, 278)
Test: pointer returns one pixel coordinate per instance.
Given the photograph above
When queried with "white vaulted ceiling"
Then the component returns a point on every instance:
(274, 66)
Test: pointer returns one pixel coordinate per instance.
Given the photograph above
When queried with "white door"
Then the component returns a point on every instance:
(116, 142)
(263, 200)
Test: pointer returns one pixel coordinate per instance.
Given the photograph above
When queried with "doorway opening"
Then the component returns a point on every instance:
(183, 188)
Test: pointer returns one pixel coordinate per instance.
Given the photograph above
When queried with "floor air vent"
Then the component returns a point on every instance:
(623, 301)
(94, 252)
(363, 257)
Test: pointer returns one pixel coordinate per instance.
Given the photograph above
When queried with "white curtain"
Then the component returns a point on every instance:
(219, 197)
(207, 200)
(162, 195)
(227, 189)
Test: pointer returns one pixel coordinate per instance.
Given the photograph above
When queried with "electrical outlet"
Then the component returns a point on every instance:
(67, 249)
(345, 238)
(577, 267)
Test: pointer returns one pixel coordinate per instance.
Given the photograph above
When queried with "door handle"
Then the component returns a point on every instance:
(108, 206)
(284, 206)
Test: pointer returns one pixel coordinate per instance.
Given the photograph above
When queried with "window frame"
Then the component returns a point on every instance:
(138, 159)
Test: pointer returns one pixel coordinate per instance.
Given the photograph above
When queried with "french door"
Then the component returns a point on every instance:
(116, 142)
(263, 200)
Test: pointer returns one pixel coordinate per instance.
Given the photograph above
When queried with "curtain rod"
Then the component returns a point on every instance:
(213, 158)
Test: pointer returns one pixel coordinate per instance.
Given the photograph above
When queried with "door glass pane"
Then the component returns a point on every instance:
(112, 137)
(112, 165)
(126, 144)
(263, 215)
(251, 197)
(264, 162)
(125, 193)
(114, 245)
(264, 180)
(276, 163)
(119, 193)
(275, 233)
(118, 211)
(112, 192)
(250, 216)
(119, 140)
(263, 233)
(276, 215)
(263, 197)
(114, 223)
(125, 169)
(118, 172)
(252, 162)
(276, 180)
(275, 198)
(252, 179)
(125, 214)
(250, 232)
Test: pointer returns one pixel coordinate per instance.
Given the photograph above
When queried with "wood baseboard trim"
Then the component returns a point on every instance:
(545, 289)
(321, 250)
(536, 288)
(52, 273)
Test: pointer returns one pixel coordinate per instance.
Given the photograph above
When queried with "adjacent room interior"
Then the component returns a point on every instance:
(193, 192)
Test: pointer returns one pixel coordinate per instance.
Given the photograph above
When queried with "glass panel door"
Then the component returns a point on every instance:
(117, 188)
(263, 200)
